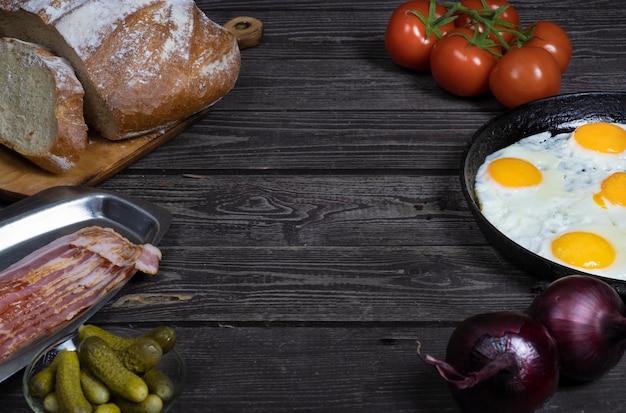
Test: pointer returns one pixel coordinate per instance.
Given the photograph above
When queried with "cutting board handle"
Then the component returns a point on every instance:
(247, 30)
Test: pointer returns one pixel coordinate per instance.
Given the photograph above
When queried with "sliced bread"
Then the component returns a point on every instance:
(144, 64)
(41, 106)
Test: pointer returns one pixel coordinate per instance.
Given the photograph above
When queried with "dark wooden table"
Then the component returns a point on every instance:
(319, 227)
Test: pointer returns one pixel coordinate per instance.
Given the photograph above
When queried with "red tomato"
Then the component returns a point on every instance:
(525, 74)
(555, 40)
(460, 67)
(406, 40)
(510, 15)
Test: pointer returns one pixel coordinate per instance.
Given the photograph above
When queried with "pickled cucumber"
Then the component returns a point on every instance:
(68, 389)
(95, 391)
(152, 404)
(160, 384)
(107, 408)
(104, 363)
(51, 403)
(113, 340)
(42, 383)
(165, 336)
(108, 366)
(141, 355)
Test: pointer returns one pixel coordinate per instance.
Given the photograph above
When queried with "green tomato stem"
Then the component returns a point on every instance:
(432, 22)
(490, 22)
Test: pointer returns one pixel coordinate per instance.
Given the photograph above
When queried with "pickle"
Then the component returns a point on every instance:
(68, 390)
(152, 404)
(141, 355)
(160, 384)
(42, 383)
(165, 336)
(107, 408)
(51, 403)
(95, 391)
(113, 340)
(104, 363)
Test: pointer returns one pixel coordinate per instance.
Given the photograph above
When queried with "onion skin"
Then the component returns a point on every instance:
(500, 362)
(586, 316)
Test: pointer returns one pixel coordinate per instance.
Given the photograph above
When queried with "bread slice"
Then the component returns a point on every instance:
(144, 64)
(41, 106)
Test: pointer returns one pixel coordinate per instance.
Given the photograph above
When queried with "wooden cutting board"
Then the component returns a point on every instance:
(20, 178)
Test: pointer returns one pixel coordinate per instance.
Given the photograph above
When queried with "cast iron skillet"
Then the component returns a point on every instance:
(556, 114)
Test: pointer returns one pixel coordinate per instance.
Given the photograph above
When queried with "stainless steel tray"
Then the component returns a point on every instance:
(39, 219)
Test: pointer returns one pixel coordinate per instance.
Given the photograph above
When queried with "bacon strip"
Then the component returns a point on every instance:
(57, 282)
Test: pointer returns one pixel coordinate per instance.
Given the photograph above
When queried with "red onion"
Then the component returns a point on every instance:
(586, 317)
(500, 362)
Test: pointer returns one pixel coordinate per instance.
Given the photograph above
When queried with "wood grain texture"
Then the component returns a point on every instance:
(329, 368)
(319, 227)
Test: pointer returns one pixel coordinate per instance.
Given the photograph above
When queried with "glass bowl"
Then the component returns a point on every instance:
(172, 364)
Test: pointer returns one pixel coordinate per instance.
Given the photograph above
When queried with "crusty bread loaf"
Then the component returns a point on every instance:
(144, 64)
(41, 106)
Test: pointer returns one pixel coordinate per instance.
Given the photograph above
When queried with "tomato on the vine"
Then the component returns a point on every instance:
(409, 39)
(554, 39)
(509, 18)
(525, 74)
(460, 66)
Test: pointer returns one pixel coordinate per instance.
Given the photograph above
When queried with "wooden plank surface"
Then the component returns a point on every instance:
(319, 227)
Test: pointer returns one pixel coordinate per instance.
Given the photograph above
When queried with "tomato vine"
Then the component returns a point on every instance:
(433, 23)
(419, 29)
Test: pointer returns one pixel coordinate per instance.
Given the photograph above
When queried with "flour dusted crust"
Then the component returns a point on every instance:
(144, 64)
(41, 106)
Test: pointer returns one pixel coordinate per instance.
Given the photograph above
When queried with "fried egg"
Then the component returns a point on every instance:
(547, 191)
(596, 249)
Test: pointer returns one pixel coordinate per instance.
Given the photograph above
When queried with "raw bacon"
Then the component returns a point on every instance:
(55, 283)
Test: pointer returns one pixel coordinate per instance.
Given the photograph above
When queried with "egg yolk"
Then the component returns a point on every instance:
(601, 137)
(514, 172)
(584, 250)
(613, 189)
